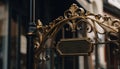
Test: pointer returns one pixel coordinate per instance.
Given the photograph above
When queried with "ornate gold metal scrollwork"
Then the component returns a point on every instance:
(74, 17)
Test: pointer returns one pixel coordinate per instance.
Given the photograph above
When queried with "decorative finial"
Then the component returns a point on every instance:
(74, 10)
(39, 24)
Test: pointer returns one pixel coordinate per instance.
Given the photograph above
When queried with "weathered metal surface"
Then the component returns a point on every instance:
(74, 47)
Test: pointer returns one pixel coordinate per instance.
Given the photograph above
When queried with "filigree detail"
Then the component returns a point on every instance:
(74, 10)
(116, 23)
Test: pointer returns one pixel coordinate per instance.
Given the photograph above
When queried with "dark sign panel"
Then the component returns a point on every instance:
(80, 47)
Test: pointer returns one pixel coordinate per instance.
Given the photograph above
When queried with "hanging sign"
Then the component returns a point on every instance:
(80, 47)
